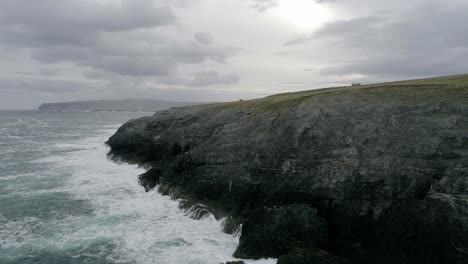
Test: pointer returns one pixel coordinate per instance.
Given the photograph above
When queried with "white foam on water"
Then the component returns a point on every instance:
(16, 176)
(13, 233)
(47, 159)
(142, 227)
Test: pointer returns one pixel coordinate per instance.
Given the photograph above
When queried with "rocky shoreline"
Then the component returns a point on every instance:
(373, 174)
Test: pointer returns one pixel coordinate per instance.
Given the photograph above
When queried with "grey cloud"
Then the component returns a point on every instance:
(294, 83)
(263, 5)
(154, 58)
(285, 52)
(99, 75)
(212, 78)
(395, 67)
(104, 38)
(201, 79)
(66, 16)
(424, 41)
(61, 53)
(74, 23)
(339, 28)
(191, 52)
(133, 66)
(45, 85)
(50, 72)
(203, 38)
(183, 3)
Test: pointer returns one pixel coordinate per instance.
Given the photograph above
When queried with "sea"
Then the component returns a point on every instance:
(63, 201)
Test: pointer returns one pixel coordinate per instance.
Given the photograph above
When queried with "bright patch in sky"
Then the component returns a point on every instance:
(304, 14)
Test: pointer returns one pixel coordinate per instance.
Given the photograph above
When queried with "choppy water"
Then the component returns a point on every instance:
(63, 201)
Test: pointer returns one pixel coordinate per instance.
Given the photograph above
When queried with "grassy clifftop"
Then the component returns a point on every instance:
(418, 87)
(448, 81)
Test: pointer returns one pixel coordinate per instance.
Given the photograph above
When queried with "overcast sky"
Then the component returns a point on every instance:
(217, 50)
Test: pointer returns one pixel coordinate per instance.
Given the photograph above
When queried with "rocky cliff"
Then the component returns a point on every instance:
(367, 174)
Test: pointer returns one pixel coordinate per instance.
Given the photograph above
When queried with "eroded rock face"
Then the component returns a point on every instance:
(278, 230)
(386, 167)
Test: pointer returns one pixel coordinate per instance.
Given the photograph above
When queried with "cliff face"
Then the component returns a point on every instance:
(376, 174)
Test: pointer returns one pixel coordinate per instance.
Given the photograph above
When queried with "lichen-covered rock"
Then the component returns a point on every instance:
(271, 232)
(385, 166)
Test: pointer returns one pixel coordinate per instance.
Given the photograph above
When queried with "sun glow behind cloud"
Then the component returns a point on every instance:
(303, 14)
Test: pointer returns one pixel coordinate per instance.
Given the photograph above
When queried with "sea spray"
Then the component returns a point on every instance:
(63, 201)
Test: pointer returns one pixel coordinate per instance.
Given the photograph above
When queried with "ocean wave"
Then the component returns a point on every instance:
(67, 201)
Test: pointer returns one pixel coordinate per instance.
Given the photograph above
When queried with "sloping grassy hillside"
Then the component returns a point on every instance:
(452, 80)
(284, 101)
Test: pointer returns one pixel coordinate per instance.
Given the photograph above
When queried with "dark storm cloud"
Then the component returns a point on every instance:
(429, 39)
(120, 39)
(201, 79)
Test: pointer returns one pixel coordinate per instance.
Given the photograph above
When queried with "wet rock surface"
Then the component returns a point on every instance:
(386, 168)
(278, 230)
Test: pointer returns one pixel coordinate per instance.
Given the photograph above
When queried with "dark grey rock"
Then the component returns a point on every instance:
(311, 257)
(271, 232)
(385, 166)
(149, 179)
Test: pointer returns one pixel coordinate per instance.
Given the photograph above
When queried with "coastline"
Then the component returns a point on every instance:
(317, 158)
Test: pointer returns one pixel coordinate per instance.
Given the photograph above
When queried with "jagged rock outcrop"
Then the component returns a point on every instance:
(278, 230)
(385, 167)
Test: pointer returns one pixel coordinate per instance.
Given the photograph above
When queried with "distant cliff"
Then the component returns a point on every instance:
(370, 173)
(114, 105)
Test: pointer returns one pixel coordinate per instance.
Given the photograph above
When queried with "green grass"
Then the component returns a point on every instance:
(285, 100)
(452, 80)
(460, 80)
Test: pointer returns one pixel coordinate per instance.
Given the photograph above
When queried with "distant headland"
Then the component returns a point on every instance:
(150, 105)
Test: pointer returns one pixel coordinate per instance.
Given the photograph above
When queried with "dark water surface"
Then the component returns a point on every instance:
(63, 201)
